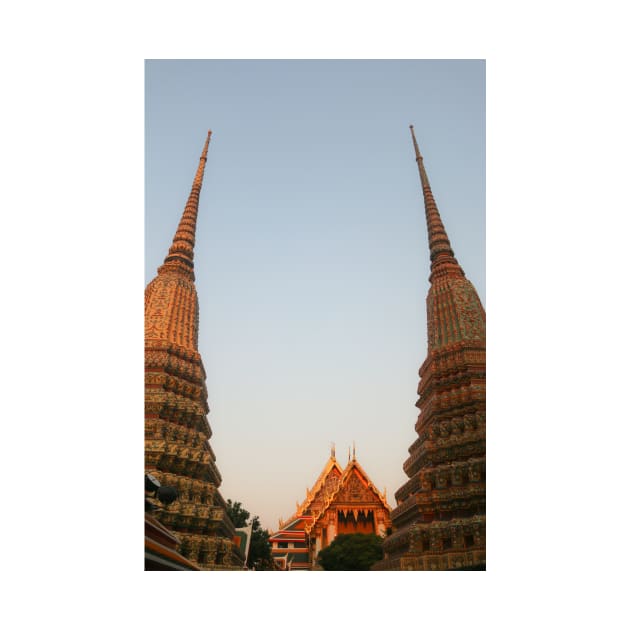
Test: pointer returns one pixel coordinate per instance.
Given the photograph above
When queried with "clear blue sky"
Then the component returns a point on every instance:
(311, 258)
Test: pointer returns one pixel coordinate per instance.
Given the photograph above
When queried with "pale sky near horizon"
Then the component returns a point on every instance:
(311, 256)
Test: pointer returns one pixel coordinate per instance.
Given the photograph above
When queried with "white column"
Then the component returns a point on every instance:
(379, 524)
(332, 532)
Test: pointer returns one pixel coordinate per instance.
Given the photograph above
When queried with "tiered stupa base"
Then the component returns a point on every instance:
(421, 546)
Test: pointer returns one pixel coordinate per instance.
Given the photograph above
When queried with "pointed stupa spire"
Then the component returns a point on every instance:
(181, 253)
(439, 245)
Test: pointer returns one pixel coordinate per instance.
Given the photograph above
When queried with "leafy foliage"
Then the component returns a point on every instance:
(259, 556)
(351, 552)
(237, 513)
(260, 548)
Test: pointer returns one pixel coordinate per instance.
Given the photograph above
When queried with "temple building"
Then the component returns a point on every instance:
(160, 548)
(439, 520)
(177, 433)
(342, 501)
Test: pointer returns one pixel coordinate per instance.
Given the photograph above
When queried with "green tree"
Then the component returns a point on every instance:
(237, 513)
(259, 555)
(351, 552)
(259, 548)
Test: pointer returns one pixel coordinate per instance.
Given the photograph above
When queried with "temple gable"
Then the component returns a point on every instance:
(342, 501)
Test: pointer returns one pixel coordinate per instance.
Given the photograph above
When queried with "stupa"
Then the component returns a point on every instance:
(439, 520)
(177, 432)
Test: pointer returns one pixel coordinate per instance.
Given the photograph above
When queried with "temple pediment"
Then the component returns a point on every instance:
(341, 501)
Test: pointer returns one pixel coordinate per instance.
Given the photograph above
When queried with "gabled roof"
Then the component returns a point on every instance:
(352, 467)
(322, 494)
(293, 529)
(332, 468)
